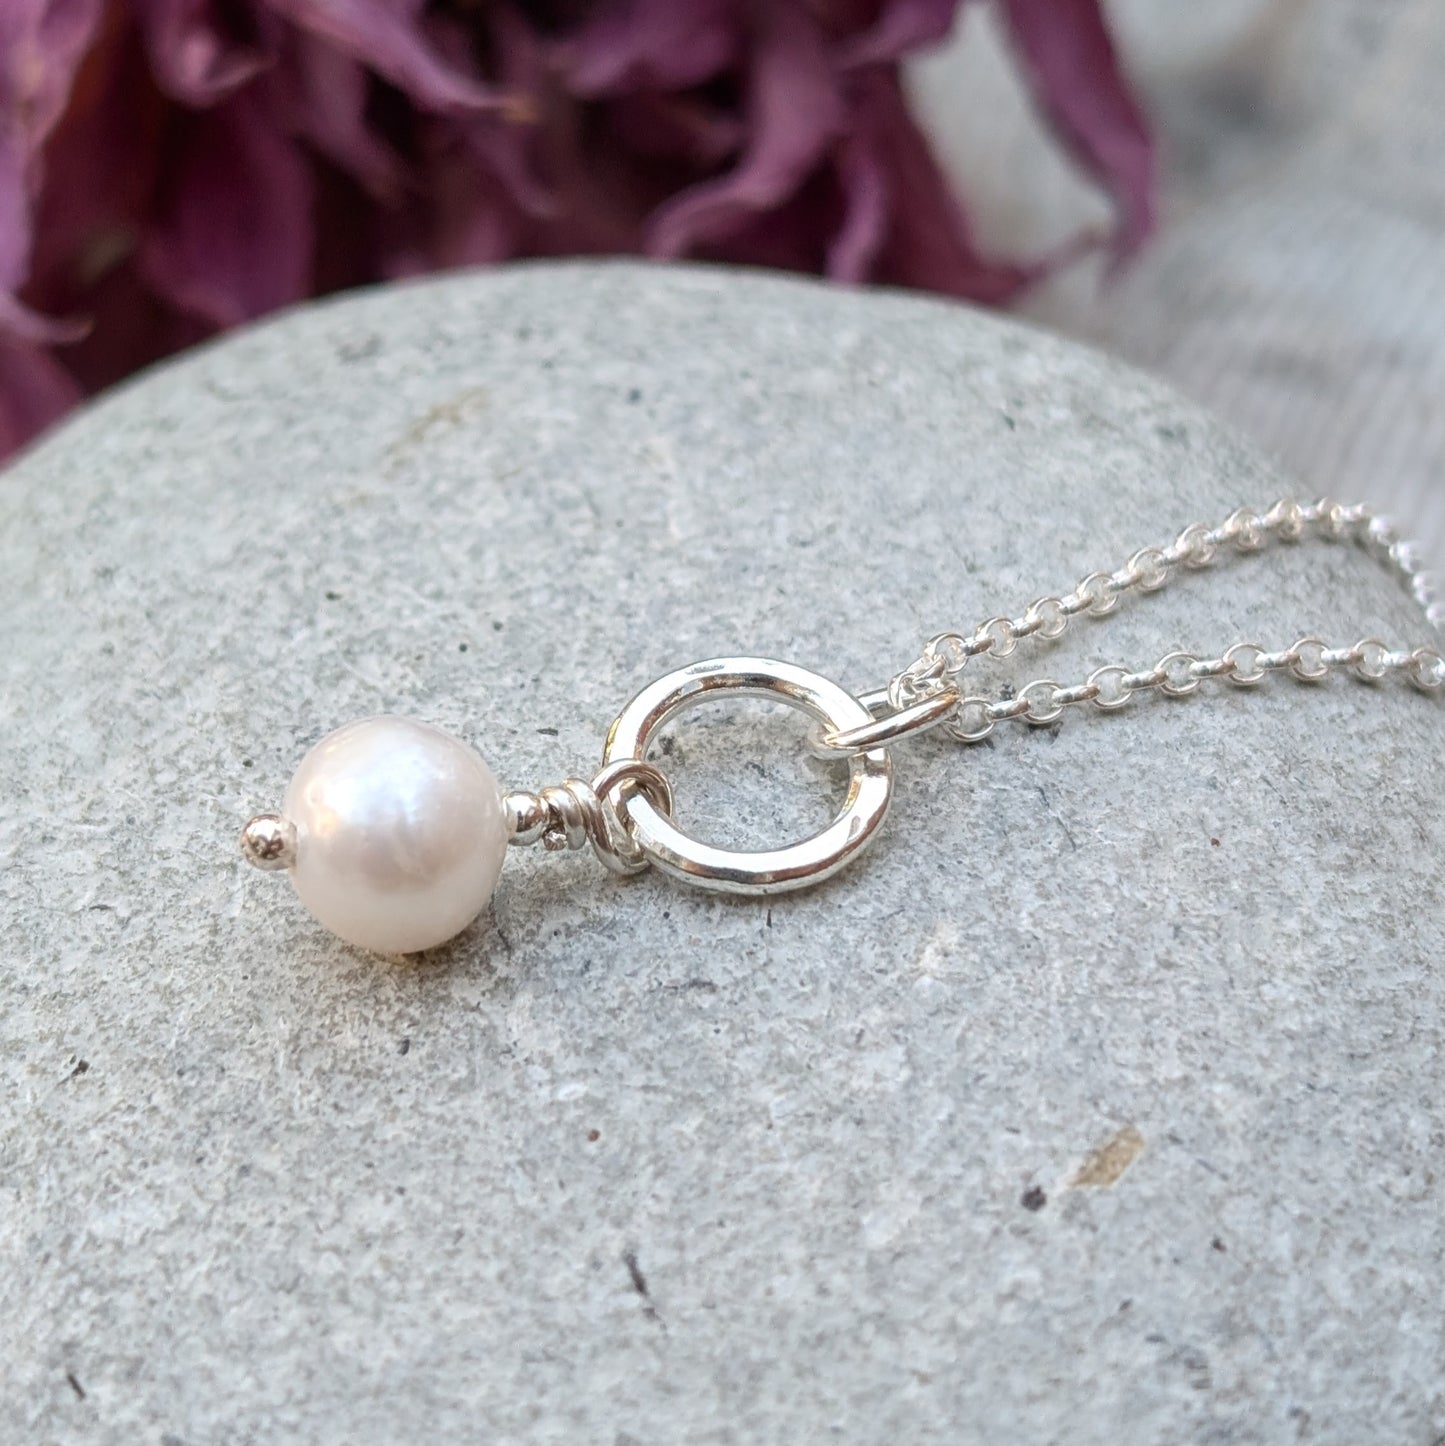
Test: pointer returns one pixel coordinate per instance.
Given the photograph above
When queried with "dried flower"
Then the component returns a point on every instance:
(170, 168)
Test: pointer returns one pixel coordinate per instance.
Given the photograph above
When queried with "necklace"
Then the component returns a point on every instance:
(394, 832)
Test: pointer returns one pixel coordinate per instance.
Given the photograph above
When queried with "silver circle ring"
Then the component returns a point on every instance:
(739, 871)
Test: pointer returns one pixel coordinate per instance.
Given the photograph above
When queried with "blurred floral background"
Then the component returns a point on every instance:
(174, 167)
(171, 168)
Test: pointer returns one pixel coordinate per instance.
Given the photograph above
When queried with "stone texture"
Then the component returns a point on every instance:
(1100, 1102)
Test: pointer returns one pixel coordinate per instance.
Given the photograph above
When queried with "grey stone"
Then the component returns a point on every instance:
(1101, 1101)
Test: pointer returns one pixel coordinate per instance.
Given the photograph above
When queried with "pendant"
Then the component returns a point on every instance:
(394, 832)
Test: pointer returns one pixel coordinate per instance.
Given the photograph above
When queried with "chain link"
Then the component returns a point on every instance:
(1042, 702)
(933, 676)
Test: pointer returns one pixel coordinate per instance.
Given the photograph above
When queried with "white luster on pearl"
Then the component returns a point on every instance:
(400, 834)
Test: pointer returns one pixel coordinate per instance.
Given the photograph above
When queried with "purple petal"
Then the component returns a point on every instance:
(790, 237)
(1076, 76)
(101, 165)
(794, 112)
(602, 193)
(506, 152)
(193, 56)
(23, 323)
(930, 243)
(321, 96)
(469, 219)
(233, 238)
(478, 184)
(663, 44)
(15, 216)
(34, 392)
(655, 124)
(42, 43)
(902, 26)
(132, 328)
(388, 38)
(855, 246)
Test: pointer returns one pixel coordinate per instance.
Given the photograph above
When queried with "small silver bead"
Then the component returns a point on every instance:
(527, 815)
(269, 842)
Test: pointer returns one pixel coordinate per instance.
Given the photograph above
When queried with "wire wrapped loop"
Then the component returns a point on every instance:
(608, 835)
(575, 813)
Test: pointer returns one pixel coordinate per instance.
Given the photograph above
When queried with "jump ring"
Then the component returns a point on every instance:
(740, 871)
(921, 717)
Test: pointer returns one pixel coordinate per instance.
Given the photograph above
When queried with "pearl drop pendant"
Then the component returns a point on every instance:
(393, 832)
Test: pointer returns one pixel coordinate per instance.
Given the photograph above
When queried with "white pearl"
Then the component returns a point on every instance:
(399, 834)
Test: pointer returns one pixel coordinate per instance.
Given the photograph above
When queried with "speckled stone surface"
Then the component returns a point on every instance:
(1100, 1102)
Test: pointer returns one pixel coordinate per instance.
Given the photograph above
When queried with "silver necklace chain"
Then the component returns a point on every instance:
(625, 814)
(927, 693)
